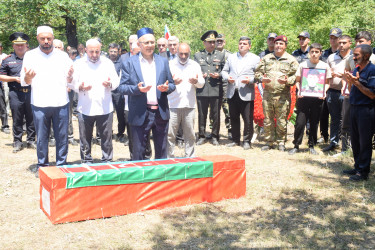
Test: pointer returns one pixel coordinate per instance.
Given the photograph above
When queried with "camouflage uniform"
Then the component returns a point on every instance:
(276, 96)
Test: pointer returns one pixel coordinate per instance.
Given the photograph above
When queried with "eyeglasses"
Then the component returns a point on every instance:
(148, 43)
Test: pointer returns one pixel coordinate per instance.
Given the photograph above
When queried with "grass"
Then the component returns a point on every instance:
(299, 201)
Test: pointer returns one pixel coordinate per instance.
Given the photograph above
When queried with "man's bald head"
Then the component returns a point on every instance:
(162, 44)
(183, 52)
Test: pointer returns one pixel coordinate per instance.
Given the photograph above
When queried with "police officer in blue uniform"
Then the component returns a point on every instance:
(19, 97)
(301, 54)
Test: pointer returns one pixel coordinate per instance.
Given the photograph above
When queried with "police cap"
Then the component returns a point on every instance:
(19, 38)
(304, 34)
(335, 32)
(272, 35)
(209, 36)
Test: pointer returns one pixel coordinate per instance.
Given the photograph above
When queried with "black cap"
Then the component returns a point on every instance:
(304, 34)
(19, 38)
(209, 35)
(220, 37)
(335, 32)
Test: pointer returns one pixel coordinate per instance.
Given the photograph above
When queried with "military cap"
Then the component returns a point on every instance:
(335, 32)
(19, 38)
(209, 36)
(272, 35)
(220, 37)
(304, 34)
(281, 38)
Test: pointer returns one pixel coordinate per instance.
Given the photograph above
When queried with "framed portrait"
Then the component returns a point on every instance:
(313, 82)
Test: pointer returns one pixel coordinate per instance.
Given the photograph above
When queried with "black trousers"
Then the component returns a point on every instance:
(21, 108)
(214, 104)
(362, 129)
(118, 101)
(308, 109)
(245, 109)
(3, 109)
(324, 120)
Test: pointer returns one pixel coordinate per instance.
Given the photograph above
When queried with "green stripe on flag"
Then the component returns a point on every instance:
(156, 173)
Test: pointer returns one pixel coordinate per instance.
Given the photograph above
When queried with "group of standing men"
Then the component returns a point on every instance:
(159, 93)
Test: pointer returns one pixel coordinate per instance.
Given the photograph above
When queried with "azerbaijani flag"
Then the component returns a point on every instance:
(167, 34)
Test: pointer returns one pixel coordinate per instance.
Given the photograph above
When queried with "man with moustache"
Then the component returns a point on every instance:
(94, 79)
(19, 97)
(147, 80)
(47, 71)
(187, 77)
(277, 72)
(362, 95)
(212, 62)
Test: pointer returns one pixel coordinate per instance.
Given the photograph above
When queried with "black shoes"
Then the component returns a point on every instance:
(31, 145)
(331, 147)
(358, 177)
(293, 151)
(246, 146)
(312, 151)
(266, 148)
(215, 142)
(201, 141)
(232, 144)
(17, 147)
(350, 172)
(6, 130)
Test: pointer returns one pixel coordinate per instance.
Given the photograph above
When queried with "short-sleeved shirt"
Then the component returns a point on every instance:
(337, 63)
(309, 65)
(367, 79)
(12, 66)
(300, 55)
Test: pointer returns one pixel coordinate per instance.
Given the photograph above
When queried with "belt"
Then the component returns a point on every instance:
(152, 107)
(24, 90)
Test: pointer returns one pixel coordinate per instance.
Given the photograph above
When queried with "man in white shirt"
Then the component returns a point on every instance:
(46, 69)
(187, 76)
(94, 79)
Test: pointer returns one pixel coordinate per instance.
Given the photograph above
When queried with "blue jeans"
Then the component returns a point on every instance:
(334, 102)
(59, 116)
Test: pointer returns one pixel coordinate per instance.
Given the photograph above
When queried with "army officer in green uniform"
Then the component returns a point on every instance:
(277, 72)
(212, 62)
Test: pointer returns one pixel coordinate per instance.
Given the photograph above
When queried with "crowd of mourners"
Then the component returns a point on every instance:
(44, 89)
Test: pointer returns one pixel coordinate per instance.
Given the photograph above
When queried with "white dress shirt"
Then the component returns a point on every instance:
(97, 100)
(149, 78)
(184, 95)
(49, 86)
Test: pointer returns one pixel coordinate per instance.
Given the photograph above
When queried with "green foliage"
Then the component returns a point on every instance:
(115, 20)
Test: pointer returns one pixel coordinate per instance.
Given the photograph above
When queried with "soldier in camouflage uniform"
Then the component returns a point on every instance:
(277, 72)
(212, 62)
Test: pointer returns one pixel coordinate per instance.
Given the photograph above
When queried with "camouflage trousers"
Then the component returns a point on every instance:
(275, 106)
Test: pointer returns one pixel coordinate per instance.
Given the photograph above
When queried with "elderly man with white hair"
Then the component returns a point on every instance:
(47, 70)
(94, 79)
(132, 39)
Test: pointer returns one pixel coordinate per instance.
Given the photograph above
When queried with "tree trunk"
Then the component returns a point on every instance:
(71, 32)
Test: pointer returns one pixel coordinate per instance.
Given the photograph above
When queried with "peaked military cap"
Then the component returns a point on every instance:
(220, 37)
(209, 35)
(19, 38)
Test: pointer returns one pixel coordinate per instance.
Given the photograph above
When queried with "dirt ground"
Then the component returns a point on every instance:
(299, 201)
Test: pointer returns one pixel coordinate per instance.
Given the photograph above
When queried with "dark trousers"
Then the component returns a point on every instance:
(3, 109)
(118, 101)
(334, 102)
(148, 149)
(214, 104)
(21, 109)
(104, 127)
(308, 109)
(70, 129)
(362, 129)
(59, 117)
(141, 134)
(324, 119)
(245, 109)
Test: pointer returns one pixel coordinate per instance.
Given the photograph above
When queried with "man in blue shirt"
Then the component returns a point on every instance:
(362, 93)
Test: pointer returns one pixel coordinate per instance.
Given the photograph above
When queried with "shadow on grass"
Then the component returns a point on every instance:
(301, 219)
